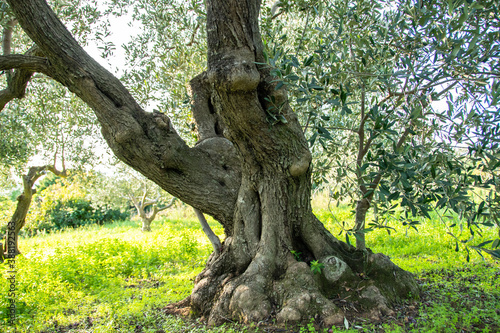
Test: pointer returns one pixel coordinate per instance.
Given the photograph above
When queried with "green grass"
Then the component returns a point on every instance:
(457, 296)
(114, 278)
(111, 274)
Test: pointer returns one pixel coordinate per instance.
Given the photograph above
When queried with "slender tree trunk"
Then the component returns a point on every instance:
(375, 211)
(146, 225)
(250, 173)
(212, 237)
(362, 207)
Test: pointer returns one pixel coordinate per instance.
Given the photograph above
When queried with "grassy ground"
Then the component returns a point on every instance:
(114, 278)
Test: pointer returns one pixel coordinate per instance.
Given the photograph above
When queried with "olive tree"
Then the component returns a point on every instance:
(252, 174)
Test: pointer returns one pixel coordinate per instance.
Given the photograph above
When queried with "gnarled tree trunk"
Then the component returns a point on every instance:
(257, 275)
(250, 172)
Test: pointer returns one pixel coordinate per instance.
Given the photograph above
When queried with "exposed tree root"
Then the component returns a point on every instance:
(292, 293)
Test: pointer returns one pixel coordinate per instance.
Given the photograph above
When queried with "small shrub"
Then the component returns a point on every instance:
(316, 267)
(71, 213)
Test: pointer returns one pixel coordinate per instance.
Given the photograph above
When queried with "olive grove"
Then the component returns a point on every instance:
(251, 166)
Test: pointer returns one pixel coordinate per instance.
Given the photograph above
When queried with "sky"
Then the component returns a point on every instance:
(121, 34)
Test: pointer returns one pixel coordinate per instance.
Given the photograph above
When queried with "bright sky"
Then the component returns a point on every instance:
(121, 34)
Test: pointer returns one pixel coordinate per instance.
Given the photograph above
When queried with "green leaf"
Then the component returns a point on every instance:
(368, 193)
(393, 196)
(346, 110)
(324, 133)
(341, 23)
(364, 167)
(308, 61)
(292, 77)
(315, 86)
(483, 244)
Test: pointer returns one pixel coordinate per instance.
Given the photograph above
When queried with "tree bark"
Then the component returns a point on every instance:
(250, 172)
(256, 276)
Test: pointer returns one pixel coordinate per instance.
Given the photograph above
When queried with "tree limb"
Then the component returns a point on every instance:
(7, 36)
(216, 244)
(144, 195)
(25, 66)
(361, 147)
(172, 202)
(26, 62)
(193, 35)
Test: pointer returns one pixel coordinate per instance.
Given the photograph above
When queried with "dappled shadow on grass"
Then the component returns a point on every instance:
(465, 299)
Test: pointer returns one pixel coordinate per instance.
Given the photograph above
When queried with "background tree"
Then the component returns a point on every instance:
(11, 249)
(147, 198)
(137, 188)
(148, 208)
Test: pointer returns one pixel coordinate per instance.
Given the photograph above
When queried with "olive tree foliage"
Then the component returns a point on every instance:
(42, 120)
(399, 102)
(169, 51)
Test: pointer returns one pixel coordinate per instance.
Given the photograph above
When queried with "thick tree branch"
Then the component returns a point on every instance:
(26, 62)
(26, 65)
(208, 123)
